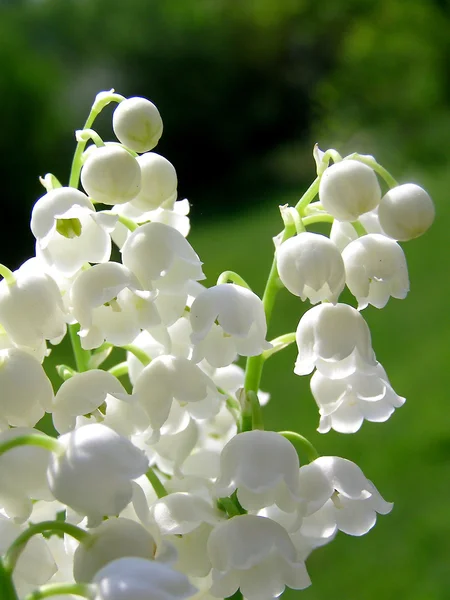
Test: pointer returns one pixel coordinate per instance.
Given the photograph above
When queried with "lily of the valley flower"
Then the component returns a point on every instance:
(406, 212)
(137, 124)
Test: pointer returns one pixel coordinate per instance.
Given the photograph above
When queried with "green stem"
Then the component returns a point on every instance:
(159, 488)
(84, 135)
(279, 343)
(129, 224)
(325, 218)
(371, 162)
(81, 356)
(75, 170)
(8, 275)
(227, 276)
(41, 440)
(138, 353)
(301, 444)
(359, 228)
(308, 196)
(7, 589)
(84, 590)
(119, 370)
(65, 372)
(14, 551)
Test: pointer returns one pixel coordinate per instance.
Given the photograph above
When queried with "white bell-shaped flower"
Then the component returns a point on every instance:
(93, 472)
(159, 255)
(26, 391)
(349, 189)
(230, 379)
(31, 308)
(113, 539)
(186, 520)
(406, 212)
(69, 232)
(334, 339)
(376, 269)
(111, 175)
(137, 124)
(331, 483)
(238, 311)
(158, 184)
(85, 393)
(263, 467)
(109, 304)
(22, 475)
(254, 554)
(343, 232)
(169, 378)
(35, 565)
(310, 266)
(179, 436)
(345, 403)
(133, 578)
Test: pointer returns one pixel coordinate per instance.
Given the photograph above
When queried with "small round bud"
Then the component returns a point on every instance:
(311, 266)
(406, 212)
(137, 124)
(111, 175)
(348, 189)
(159, 182)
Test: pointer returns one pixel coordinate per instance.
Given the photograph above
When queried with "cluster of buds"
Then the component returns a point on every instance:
(160, 481)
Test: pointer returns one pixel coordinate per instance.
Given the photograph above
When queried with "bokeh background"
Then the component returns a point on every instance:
(245, 89)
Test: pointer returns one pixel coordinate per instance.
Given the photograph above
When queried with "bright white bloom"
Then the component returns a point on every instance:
(187, 520)
(85, 392)
(113, 539)
(35, 565)
(69, 232)
(137, 124)
(111, 175)
(406, 212)
(263, 467)
(109, 304)
(230, 379)
(334, 339)
(349, 189)
(376, 269)
(26, 391)
(345, 403)
(31, 309)
(93, 472)
(159, 255)
(256, 555)
(22, 475)
(133, 578)
(239, 312)
(169, 378)
(310, 266)
(158, 184)
(340, 488)
(343, 232)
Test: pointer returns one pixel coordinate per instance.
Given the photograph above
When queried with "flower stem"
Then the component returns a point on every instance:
(227, 276)
(279, 343)
(371, 162)
(301, 444)
(41, 440)
(138, 353)
(7, 589)
(84, 590)
(14, 551)
(7, 274)
(119, 370)
(81, 356)
(159, 488)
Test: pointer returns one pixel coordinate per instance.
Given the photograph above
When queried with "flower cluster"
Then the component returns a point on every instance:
(160, 481)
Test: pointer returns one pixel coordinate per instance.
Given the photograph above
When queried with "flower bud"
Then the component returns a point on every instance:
(133, 578)
(406, 212)
(158, 184)
(256, 555)
(263, 467)
(334, 339)
(26, 390)
(94, 471)
(113, 539)
(111, 175)
(310, 266)
(137, 124)
(375, 268)
(349, 189)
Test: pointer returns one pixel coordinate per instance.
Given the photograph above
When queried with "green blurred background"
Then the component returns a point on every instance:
(245, 88)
